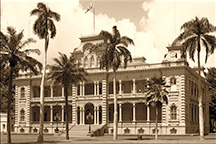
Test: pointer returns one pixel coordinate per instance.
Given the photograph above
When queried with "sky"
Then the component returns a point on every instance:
(152, 24)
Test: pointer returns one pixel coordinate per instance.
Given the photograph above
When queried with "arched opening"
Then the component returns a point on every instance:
(92, 61)
(89, 113)
(85, 62)
(78, 115)
(173, 112)
(100, 114)
(22, 115)
(22, 92)
(127, 112)
(141, 112)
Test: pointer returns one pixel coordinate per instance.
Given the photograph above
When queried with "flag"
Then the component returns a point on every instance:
(90, 6)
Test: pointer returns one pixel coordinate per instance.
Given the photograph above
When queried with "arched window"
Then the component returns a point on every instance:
(22, 92)
(92, 61)
(85, 62)
(172, 80)
(173, 112)
(22, 115)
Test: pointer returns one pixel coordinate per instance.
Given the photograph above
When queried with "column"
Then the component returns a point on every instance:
(51, 91)
(62, 113)
(98, 115)
(120, 87)
(120, 112)
(51, 114)
(62, 91)
(134, 112)
(83, 89)
(134, 86)
(83, 116)
(95, 88)
(148, 113)
(95, 115)
(98, 84)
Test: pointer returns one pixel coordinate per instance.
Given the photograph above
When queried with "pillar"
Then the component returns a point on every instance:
(51, 91)
(120, 87)
(62, 113)
(134, 86)
(98, 115)
(95, 115)
(51, 113)
(95, 88)
(148, 113)
(134, 112)
(98, 85)
(83, 89)
(83, 115)
(120, 112)
(62, 91)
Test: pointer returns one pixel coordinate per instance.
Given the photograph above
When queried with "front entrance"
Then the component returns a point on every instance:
(89, 113)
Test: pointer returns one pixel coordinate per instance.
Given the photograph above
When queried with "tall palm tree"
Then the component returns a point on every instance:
(196, 35)
(44, 28)
(156, 95)
(115, 47)
(13, 54)
(66, 71)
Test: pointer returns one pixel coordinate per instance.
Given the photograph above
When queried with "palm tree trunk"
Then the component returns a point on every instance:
(40, 136)
(201, 121)
(66, 110)
(156, 122)
(107, 94)
(115, 122)
(9, 105)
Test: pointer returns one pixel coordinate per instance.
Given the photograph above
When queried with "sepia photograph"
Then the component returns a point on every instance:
(108, 71)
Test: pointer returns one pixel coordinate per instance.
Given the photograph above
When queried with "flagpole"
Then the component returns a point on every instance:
(94, 16)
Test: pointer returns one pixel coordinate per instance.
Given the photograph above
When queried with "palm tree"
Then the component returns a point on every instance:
(195, 35)
(66, 71)
(156, 95)
(13, 54)
(115, 47)
(44, 28)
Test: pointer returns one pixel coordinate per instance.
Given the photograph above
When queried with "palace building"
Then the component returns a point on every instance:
(88, 103)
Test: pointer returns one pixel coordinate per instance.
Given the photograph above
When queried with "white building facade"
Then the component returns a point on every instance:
(179, 116)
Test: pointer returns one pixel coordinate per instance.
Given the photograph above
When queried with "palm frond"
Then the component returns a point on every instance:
(106, 35)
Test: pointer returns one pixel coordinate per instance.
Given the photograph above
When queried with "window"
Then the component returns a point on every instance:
(36, 91)
(92, 61)
(22, 92)
(85, 62)
(173, 112)
(192, 113)
(22, 115)
(172, 80)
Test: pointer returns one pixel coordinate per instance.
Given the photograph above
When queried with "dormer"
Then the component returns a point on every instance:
(82, 54)
(174, 53)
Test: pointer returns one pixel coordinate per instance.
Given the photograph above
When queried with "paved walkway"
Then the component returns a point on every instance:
(210, 139)
(107, 139)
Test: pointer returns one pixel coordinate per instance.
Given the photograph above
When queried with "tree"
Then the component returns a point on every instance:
(16, 58)
(196, 35)
(44, 28)
(211, 78)
(156, 95)
(115, 47)
(66, 71)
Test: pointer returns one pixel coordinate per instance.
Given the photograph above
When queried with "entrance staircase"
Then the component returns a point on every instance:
(81, 130)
